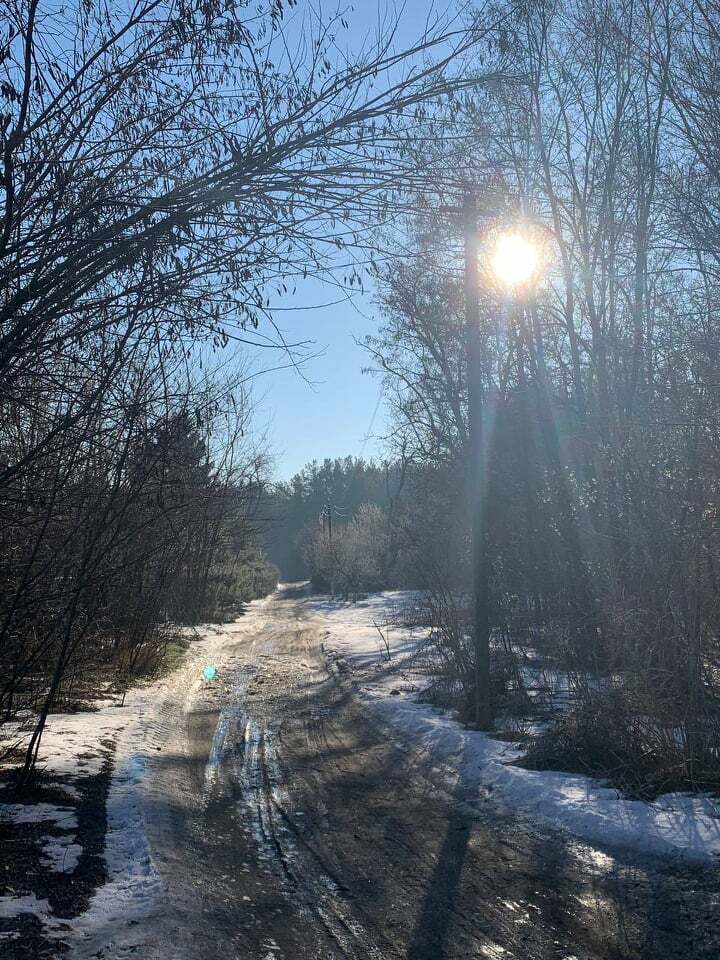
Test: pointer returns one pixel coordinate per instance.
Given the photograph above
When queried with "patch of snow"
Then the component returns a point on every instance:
(11, 907)
(64, 817)
(61, 854)
(681, 825)
(132, 882)
(76, 745)
(354, 633)
(70, 745)
(131, 893)
(14, 906)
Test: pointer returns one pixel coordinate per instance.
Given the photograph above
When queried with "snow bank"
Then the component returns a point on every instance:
(679, 825)
(133, 885)
(75, 745)
(355, 635)
(61, 854)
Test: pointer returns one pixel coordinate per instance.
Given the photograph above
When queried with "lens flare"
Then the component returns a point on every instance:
(515, 259)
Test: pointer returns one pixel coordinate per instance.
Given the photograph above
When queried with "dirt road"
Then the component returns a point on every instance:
(286, 822)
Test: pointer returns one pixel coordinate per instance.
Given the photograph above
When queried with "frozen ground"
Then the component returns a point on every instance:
(675, 824)
(268, 813)
(75, 746)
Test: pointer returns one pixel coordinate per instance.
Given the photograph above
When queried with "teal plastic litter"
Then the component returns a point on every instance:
(209, 673)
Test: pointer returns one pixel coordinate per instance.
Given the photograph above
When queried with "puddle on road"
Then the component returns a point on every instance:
(135, 768)
(219, 747)
(225, 735)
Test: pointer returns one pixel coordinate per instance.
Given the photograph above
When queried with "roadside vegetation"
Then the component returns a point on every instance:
(144, 245)
(330, 523)
(600, 398)
(148, 224)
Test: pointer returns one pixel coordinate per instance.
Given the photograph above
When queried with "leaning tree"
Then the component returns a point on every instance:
(165, 168)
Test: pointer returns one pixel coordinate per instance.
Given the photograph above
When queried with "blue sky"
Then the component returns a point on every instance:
(328, 410)
(332, 415)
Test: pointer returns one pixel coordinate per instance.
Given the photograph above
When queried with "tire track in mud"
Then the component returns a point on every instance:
(303, 828)
(244, 751)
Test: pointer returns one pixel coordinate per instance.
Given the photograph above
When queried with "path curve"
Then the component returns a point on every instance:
(287, 822)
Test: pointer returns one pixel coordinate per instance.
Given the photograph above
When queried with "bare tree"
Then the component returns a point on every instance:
(600, 391)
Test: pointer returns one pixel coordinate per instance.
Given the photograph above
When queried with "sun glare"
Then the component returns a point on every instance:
(515, 259)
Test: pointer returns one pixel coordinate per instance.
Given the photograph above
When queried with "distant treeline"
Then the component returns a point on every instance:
(351, 525)
(321, 497)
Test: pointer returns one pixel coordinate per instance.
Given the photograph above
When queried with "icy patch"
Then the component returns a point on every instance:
(134, 768)
(219, 747)
(63, 817)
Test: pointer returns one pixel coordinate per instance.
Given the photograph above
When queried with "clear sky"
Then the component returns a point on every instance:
(327, 410)
(332, 415)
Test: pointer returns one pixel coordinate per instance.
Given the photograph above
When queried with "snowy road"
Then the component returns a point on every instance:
(286, 821)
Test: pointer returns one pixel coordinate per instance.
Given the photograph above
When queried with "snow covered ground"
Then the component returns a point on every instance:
(76, 745)
(73, 747)
(676, 824)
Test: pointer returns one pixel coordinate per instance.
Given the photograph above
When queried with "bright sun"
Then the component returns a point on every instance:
(515, 259)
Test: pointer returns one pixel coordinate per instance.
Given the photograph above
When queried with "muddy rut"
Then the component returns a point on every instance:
(287, 822)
